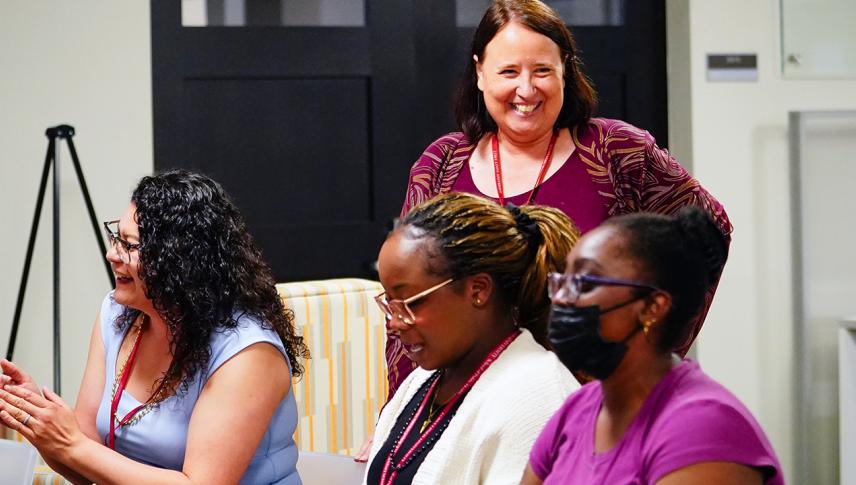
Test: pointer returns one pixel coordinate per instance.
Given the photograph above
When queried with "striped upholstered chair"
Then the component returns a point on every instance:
(340, 395)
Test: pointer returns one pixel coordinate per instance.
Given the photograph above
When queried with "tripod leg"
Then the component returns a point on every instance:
(57, 348)
(91, 209)
(30, 246)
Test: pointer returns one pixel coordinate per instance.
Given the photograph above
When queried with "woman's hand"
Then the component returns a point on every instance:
(46, 422)
(16, 377)
(362, 456)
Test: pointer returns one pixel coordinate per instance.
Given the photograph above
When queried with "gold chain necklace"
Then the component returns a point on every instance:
(431, 411)
(153, 401)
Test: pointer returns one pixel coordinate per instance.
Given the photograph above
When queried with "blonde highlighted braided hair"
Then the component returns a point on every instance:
(516, 246)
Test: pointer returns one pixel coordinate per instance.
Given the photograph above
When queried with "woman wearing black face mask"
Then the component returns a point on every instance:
(630, 290)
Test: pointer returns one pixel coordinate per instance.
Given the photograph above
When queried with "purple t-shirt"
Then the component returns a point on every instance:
(687, 419)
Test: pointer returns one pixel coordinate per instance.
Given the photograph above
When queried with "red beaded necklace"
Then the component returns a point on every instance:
(497, 168)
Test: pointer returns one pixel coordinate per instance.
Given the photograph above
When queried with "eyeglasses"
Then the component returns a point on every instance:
(400, 309)
(123, 248)
(567, 288)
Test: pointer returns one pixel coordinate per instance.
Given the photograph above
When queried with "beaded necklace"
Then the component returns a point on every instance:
(119, 383)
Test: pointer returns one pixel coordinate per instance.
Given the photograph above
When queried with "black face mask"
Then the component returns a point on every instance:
(575, 335)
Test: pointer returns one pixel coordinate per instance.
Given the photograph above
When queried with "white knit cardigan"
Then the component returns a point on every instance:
(489, 438)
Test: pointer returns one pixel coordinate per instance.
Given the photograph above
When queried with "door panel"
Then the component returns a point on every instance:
(299, 124)
(288, 146)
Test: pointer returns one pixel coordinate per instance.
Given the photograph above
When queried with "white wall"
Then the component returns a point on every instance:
(86, 63)
(737, 139)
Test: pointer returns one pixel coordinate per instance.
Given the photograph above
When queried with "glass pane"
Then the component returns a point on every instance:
(825, 282)
(818, 39)
(574, 12)
(290, 13)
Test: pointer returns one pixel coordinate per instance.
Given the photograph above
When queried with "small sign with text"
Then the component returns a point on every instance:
(732, 67)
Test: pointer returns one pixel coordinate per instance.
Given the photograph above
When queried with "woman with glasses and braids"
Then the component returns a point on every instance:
(624, 303)
(466, 294)
(188, 378)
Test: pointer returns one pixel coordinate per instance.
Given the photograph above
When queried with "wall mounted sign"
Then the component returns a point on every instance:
(732, 67)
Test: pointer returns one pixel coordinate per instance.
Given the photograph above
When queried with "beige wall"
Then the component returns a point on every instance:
(86, 63)
(736, 135)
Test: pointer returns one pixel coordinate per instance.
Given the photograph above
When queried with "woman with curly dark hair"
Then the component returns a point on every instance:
(189, 373)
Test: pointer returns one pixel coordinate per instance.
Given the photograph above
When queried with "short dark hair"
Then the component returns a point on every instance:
(681, 254)
(580, 96)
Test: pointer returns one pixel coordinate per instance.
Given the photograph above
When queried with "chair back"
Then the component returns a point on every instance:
(17, 462)
(327, 468)
(344, 385)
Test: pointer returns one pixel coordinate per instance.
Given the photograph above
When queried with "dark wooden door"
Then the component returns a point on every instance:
(313, 129)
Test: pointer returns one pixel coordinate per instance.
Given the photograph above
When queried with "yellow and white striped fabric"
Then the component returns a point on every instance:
(45, 476)
(344, 386)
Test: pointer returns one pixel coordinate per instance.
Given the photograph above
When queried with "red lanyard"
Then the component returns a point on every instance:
(387, 478)
(123, 381)
(497, 168)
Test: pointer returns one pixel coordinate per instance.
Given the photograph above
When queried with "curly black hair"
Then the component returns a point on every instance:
(202, 270)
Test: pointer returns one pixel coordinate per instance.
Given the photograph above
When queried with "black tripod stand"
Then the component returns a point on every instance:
(52, 159)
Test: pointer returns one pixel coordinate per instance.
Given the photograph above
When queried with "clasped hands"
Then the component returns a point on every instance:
(43, 418)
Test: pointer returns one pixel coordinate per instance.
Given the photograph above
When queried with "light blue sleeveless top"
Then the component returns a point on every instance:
(160, 437)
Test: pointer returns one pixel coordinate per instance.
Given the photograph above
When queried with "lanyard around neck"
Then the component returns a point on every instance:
(387, 477)
(114, 404)
(497, 168)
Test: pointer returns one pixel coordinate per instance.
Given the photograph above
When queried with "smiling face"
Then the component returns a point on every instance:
(130, 290)
(521, 77)
(442, 333)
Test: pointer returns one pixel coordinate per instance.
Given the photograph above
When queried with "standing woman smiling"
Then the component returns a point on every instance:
(527, 135)
(465, 283)
(188, 378)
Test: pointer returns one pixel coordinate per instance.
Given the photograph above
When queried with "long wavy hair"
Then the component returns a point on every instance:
(516, 246)
(580, 101)
(202, 270)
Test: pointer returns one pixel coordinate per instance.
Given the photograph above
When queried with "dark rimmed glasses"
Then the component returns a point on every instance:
(400, 309)
(568, 287)
(123, 248)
